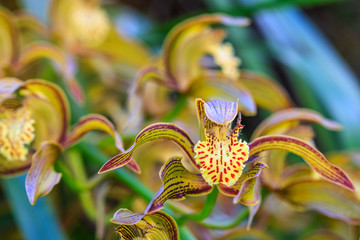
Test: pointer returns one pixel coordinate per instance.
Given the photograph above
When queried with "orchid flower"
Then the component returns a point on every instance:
(186, 71)
(220, 157)
(96, 38)
(19, 51)
(34, 125)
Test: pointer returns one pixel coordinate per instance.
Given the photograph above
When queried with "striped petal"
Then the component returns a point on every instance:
(281, 118)
(153, 132)
(252, 173)
(312, 156)
(265, 91)
(154, 226)
(37, 51)
(177, 183)
(96, 122)
(247, 192)
(89, 123)
(9, 47)
(42, 177)
(215, 85)
(54, 95)
(325, 197)
(194, 38)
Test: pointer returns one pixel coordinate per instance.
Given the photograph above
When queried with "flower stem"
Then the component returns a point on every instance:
(180, 104)
(227, 224)
(76, 165)
(205, 212)
(127, 178)
(73, 183)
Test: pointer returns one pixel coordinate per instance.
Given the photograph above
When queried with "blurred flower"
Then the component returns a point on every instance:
(19, 50)
(16, 130)
(196, 62)
(224, 56)
(88, 23)
(34, 125)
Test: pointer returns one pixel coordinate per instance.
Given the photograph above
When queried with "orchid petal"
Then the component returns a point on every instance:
(8, 86)
(312, 156)
(127, 232)
(9, 37)
(124, 216)
(96, 122)
(325, 197)
(153, 132)
(155, 226)
(11, 168)
(177, 183)
(277, 160)
(201, 21)
(149, 73)
(255, 208)
(41, 177)
(217, 86)
(47, 121)
(292, 115)
(221, 112)
(165, 223)
(188, 52)
(92, 122)
(249, 192)
(252, 173)
(56, 56)
(294, 173)
(241, 233)
(131, 53)
(53, 94)
(265, 91)
(322, 234)
(29, 22)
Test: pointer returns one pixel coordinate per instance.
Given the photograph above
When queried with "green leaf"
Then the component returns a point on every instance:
(30, 219)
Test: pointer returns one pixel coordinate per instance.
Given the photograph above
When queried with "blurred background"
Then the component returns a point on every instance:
(310, 47)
